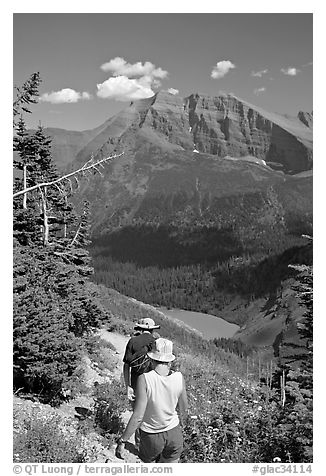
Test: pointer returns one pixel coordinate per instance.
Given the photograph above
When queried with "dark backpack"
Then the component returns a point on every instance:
(141, 363)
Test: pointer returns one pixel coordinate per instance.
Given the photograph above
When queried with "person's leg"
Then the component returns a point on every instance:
(151, 446)
(162, 460)
(173, 446)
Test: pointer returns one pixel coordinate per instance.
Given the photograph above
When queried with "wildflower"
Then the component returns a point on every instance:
(237, 422)
(194, 417)
(255, 401)
(276, 459)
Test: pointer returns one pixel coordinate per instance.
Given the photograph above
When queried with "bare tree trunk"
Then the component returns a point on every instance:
(45, 218)
(25, 186)
(283, 396)
(65, 216)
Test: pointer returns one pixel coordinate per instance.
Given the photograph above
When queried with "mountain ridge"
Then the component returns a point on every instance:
(220, 125)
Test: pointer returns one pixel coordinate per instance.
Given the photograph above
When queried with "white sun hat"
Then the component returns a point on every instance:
(146, 323)
(163, 351)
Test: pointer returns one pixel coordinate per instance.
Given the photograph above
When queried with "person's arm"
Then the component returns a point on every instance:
(183, 403)
(126, 367)
(137, 414)
(126, 374)
(127, 380)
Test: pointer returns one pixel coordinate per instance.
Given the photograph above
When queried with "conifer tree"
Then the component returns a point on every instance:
(26, 94)
(53, 304)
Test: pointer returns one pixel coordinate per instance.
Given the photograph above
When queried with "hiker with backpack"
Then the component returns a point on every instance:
(136, 361)
(159, 393)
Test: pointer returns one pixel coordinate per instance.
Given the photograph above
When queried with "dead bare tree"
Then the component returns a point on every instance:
(89, 167)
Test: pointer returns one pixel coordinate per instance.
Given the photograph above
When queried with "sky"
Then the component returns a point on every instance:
(92, 65)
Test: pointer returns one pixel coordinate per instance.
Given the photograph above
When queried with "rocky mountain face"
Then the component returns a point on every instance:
(198, 161)
(221, 126)
(228, 126)
(194, 163)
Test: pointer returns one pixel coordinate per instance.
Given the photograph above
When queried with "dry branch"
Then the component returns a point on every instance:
(76, 235)
(85, 168)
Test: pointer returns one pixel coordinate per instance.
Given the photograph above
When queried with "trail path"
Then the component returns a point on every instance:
(119, 342)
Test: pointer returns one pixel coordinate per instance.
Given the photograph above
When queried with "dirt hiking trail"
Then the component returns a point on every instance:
(119, 342)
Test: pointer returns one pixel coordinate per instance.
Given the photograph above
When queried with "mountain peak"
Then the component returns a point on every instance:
(222, 125)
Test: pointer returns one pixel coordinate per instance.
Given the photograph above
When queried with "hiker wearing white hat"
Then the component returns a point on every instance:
(159, 394)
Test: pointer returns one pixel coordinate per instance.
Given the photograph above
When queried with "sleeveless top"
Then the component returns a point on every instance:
(163, 393)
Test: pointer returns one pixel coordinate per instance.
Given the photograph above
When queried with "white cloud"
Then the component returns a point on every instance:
(86, 96)
(259, 74)
(122, 88)
(119, 67)
(291, 71)
(173, 91)
(221, 69)
(65, 95)
(258, 91)
(130, 81)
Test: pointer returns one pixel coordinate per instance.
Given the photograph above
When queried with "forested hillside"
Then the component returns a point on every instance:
(205, 287)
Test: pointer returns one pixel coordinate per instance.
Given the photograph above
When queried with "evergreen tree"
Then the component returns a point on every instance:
(53, 302)
(26, 94)
(294, 378)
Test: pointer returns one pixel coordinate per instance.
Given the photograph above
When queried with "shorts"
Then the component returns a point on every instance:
(167, 445)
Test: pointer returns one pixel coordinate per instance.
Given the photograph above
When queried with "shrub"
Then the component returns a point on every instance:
(45, 439)
(99, 352)
(110, 402)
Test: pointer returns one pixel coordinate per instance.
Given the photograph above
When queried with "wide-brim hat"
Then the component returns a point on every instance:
(146, 323)
(163, 351)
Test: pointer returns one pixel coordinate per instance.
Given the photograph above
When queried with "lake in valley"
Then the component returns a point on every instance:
(210, 326)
